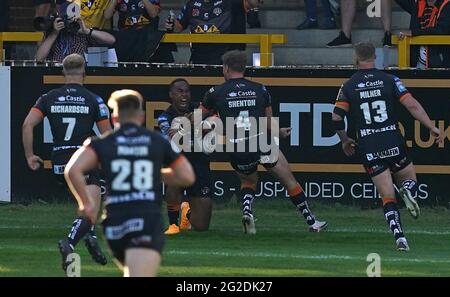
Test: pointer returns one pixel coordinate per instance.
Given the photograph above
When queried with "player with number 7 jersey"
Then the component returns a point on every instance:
(72, 110)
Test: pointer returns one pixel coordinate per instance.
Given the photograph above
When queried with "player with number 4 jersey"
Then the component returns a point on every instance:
(369, 99)
(246, 105)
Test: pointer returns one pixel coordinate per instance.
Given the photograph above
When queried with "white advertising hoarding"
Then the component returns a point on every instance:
(5, 136)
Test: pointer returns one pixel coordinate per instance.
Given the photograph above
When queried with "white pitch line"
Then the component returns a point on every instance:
(269, 228)
(370, 230)
(289, 256)
(33, 227)
(252, 255)
(30, 248)
(358, 230)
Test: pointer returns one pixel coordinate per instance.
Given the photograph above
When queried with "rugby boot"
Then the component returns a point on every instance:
(172, 230)
(318, 226)
(94, 249)
(65, 250)
(184, 221)
(248, 223)
(410, 202)
(402, 244)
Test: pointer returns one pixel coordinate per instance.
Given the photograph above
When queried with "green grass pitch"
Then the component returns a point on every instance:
(281, 247)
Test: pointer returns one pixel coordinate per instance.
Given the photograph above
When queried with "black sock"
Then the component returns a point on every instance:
(392, 216)
(188, 214)
(300, 202)
(173, 216)
(92, 231)
(411, 185)
(247, 196)
(80, 227)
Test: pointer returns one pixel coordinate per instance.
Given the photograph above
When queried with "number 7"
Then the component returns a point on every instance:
(71, 124)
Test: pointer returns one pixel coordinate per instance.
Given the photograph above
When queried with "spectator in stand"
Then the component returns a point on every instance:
(428, 17)
(43, 7)
(61, 41)
(133, 13)
(212, 17)
(91, 12)
(253, 18)
(311, 16)
(239, 20)
(138, 38)
(348, 11)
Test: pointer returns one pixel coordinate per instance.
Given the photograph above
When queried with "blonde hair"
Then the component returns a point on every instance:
(126, 103)
(73, 65)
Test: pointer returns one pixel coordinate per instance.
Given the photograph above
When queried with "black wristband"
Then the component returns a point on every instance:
(340, 111)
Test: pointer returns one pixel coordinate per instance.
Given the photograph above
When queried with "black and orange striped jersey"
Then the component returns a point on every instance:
(238, 97)
(369, 99)
(241, 105)
(131, 159)
(72, 111)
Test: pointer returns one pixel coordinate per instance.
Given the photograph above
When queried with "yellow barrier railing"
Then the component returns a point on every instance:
(405, 43)
(18, 37)
(265, 41)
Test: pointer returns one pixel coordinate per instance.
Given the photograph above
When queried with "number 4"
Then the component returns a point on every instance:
(243, 120)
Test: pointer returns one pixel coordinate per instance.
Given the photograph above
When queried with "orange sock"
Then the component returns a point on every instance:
(248, 185)
(387, 200)
(295, 191)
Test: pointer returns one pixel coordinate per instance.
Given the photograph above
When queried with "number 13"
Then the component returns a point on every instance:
(379, 106)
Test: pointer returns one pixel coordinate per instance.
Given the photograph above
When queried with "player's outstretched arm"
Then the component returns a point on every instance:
(179, 174)
(348, 144)
(83, 160)
(104, 126)
(32, 120)
(417, 111)
(274, 124)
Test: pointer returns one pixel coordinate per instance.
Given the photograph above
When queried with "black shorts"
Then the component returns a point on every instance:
(59, 162)
(394, 159)
(133, 227)
(202, 186)
(247, 163)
